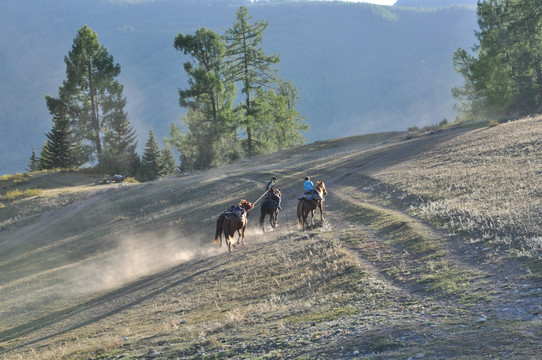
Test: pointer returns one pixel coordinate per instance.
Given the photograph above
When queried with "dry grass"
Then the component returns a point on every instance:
(20, 194)
(485, 185)
(97, 272)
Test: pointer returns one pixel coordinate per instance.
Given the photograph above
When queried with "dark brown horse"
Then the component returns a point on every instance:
(304, 206)
(232, 220)
(270, 207)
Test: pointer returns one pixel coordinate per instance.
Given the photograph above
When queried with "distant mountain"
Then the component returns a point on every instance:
(434, 3)
(359, 68)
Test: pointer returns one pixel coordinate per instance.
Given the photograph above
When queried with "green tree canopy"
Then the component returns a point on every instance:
(248, 63)
(214, 126)
(120, 140)
(46, 159)
(503, 77)
(90, 94)
(168, 165)
(33, 164)
(150, 163)
(210, 118)
(59, 143)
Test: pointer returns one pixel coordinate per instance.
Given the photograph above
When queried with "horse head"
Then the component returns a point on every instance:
(321, 187)
(247, 205)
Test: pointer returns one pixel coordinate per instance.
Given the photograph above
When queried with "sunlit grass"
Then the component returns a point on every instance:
(15, 178)
(484, 185)
(20, 194)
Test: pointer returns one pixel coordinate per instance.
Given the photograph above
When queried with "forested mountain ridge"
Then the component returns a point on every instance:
(359, 68)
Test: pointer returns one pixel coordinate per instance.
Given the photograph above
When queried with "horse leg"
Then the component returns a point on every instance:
(305, 213)
(300, 215)
(226, 225)
(312, 217)
(262, 219)
(243, 233)
(321, 207)
(273, 218)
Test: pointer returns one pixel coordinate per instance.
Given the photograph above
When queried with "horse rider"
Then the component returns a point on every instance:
(309, 188)
(271, 183)
(271, 193)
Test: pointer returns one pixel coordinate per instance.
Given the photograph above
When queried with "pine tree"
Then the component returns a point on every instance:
(248, 63)
(150, 164)
(279, 125)
(289, 123)
(168, 165)
(59, 143)
(33, 164)
(120, 140)
(46, 159)
(90, 84)
(210, 118)
(503, 77)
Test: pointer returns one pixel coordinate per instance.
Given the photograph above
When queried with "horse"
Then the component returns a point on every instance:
(232, 220)
(270, 207)
(304, 206)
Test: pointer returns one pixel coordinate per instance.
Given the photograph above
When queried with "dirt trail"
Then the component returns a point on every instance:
(44, 222)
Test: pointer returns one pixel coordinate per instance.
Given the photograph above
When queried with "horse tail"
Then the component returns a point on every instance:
(299, 213)
(219, 224)
(262, 214)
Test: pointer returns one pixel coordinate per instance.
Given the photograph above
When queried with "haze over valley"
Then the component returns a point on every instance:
(359, 68)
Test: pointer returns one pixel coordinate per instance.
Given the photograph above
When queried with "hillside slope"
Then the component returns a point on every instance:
(393, 272)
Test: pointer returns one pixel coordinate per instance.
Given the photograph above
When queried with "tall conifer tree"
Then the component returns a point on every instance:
(211, 136)
(503, 77)
(33, 164)
(46, 160)
(120, 140)
(90, 84)
(248, 63)
(150, 163)
(168, 165)
(59, 143)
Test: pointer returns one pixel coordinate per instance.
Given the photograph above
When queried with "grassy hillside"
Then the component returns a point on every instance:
(430, 249)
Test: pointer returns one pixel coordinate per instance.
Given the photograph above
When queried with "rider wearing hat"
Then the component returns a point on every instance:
(271, 183)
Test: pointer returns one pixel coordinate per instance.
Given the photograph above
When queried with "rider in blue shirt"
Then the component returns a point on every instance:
(309, 188)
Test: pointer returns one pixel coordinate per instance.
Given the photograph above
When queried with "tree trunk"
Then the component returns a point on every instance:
(249, 130)
(94, 105)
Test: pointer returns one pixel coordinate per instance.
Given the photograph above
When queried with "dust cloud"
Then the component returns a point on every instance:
(138, 255)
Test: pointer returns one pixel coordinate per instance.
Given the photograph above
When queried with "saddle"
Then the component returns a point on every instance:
(310, 195)
(235, 210)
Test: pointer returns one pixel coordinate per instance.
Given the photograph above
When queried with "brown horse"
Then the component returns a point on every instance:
(232, 220)
(304, 206)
